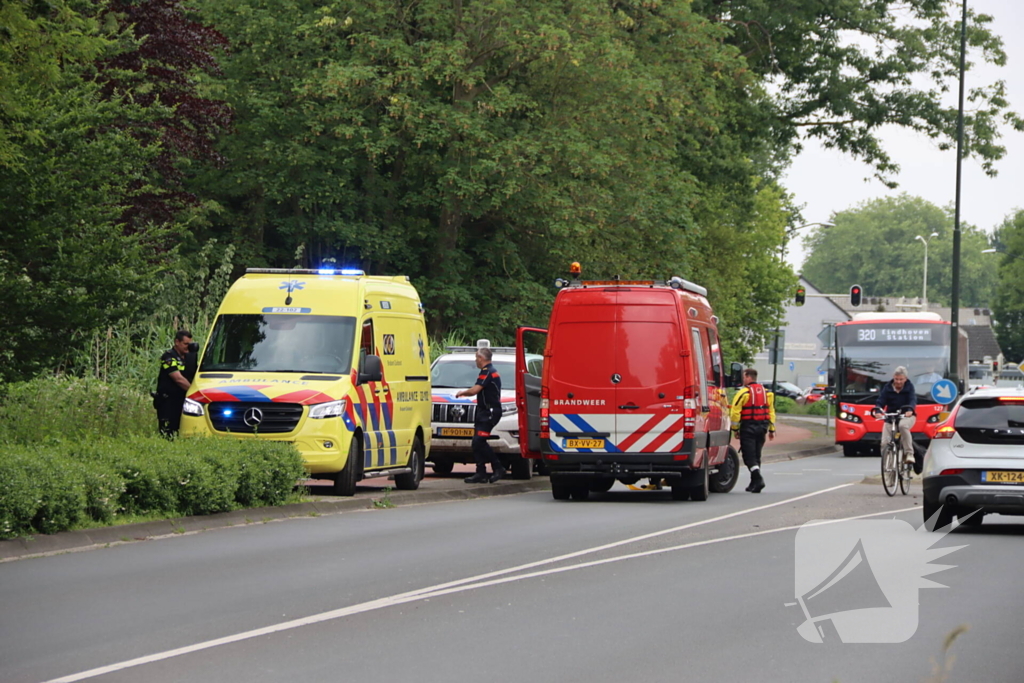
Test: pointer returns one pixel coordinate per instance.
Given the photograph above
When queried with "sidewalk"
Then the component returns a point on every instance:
(792, 441)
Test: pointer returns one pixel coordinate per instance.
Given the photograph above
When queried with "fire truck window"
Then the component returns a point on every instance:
(701, 366)
(716, 358)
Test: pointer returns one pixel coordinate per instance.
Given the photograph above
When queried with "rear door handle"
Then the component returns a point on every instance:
(629, 407)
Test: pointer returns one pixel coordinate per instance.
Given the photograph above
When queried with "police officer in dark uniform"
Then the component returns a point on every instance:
(753, 418)
(171, 384)
(488, 412)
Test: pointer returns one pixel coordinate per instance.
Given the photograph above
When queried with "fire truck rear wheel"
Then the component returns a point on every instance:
(601, 485)
(580, 492)
(728, 473)
(560, 489)
(701, 490)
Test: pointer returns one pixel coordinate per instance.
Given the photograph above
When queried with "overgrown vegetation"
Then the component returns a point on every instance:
(81, 452)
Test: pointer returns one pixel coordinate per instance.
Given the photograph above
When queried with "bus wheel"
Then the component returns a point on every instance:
(345, 481)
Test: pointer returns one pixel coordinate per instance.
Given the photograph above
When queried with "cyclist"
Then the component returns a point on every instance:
(898, 396)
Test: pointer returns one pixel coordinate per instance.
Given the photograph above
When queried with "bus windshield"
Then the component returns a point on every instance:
(869, 354)
(281, 343)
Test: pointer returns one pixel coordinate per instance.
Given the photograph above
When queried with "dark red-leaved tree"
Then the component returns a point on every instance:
(173, 50)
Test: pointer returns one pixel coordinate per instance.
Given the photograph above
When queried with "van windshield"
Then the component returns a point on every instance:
(461, 374)
(281, 343)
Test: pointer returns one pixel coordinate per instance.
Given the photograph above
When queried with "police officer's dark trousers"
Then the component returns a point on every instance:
(482, 451)
(168, 414)
(752, 436)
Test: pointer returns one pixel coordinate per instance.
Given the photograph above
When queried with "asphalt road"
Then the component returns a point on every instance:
(626, 585)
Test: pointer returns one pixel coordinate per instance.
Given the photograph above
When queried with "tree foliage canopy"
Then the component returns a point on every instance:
(875, 245)
(1008, 309)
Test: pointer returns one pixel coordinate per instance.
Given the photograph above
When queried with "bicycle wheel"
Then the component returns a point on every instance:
(904, 476)
(889, 473)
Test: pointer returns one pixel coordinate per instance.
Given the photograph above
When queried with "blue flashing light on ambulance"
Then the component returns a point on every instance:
(331, 360)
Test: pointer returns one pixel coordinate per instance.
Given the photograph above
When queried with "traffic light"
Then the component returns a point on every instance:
(801, 296)
(855, 293)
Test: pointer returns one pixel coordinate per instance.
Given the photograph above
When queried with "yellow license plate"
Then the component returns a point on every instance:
(456, 431)
(1003, 477)
(584, 443)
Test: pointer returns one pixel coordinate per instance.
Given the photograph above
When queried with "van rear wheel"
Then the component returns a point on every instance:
(560, 490)
(701, 490)
(345, 481)
(442, 465)
(521, 467)
(580, 492)
(728, 473)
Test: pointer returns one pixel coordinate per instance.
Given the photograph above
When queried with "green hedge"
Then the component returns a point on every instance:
(51, 409)
(55, 486)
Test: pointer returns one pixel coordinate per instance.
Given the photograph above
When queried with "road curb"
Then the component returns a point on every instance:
(88, 539)
(796, 455)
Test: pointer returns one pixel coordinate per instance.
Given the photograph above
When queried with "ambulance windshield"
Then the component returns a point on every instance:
(281, 343)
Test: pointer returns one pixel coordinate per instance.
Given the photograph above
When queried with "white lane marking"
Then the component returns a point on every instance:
(817, 469)
(787, 474)
(647, 553)
(410, 596)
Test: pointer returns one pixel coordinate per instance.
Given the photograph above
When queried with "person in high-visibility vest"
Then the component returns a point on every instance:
(753, 418)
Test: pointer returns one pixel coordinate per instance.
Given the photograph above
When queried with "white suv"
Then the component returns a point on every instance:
(975, 462)
(452, 418)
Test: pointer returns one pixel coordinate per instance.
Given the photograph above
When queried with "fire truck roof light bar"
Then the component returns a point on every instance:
(674, 283)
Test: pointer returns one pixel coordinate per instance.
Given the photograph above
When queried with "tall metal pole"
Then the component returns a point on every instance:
(954, 342)
(924, 286)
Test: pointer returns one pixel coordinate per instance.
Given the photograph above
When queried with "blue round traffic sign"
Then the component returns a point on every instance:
(944, 392)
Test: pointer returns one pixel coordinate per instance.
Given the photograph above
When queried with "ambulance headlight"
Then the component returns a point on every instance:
(329, 409)
(508, 408)
(193, 408)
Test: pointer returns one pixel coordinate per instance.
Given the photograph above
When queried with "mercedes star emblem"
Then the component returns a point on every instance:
(616, 378)
(253, 417)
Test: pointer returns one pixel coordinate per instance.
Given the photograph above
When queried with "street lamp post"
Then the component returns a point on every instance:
(924, 287)
(778, 323)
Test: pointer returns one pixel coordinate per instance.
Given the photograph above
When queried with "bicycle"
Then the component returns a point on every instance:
(894, 468)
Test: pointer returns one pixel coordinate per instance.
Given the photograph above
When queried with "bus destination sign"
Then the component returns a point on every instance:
(885, 335)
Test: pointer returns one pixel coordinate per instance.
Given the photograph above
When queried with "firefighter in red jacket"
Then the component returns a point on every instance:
(753, 418)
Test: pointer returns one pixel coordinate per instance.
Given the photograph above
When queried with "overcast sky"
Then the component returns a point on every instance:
(825, 181)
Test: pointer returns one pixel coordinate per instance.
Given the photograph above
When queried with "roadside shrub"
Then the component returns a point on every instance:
(784, 404)
(820, 407)
(50, 409)
(54, 486)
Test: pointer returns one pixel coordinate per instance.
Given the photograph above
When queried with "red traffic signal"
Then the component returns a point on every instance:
(801, 296)
(855, 294)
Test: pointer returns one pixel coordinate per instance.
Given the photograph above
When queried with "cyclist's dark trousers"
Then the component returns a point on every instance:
(482, 451)
(752, 436)
(168, 414)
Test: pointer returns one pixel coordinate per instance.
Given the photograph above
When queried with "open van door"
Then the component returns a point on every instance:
(528, 380)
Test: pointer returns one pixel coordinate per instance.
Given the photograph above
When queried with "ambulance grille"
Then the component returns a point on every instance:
(454, 413)
(274, 418)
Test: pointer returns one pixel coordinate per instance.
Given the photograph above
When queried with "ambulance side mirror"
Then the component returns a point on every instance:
(371, 370)
(735, 378)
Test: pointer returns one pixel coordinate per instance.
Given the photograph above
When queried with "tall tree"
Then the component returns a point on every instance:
(840, 71)
(1008, 308)
(480, 147)
(66, 172)
(874, 245)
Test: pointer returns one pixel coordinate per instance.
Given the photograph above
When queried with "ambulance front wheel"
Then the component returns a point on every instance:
(411, 481)
(345, 481)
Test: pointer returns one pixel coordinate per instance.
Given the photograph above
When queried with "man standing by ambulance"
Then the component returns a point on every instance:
(171, 384)
(753, 418)
(488, 412)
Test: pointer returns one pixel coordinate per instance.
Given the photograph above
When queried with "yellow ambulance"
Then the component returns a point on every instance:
(331, 360)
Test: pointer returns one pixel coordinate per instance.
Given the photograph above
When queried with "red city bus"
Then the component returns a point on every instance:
(868, 349)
